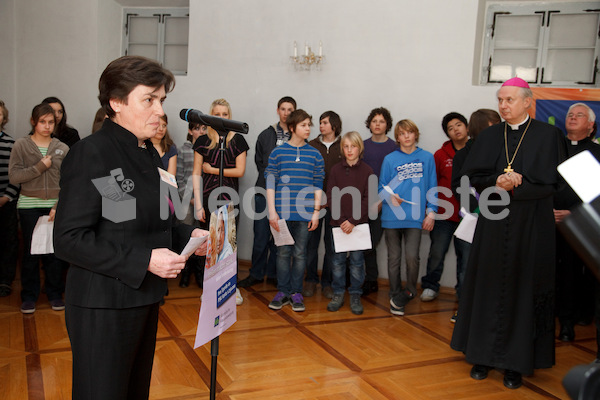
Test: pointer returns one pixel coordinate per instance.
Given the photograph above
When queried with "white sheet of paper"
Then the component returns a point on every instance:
(193, 244)
(41, 241)
(390, 191)
(358, 239)
(466, 228)
(283, 237)
(581, 173)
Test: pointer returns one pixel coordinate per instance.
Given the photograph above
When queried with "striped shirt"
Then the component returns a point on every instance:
(295, 173)
(6, 188)
(27, 202)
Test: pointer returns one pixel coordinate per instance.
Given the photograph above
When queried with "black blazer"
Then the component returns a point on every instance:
(110, 260)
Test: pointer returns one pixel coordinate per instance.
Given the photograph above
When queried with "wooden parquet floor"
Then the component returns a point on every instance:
(270, 354)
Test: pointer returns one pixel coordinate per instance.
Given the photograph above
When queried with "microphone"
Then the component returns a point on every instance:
(218, 124)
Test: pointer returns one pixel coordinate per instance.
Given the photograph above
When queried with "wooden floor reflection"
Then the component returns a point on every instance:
(270, 354)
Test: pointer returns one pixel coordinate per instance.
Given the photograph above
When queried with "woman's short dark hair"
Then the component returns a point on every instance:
(38, 112)
(334, 120)
(296, 117)
(124, 74)
(481, 119)
(384, 113)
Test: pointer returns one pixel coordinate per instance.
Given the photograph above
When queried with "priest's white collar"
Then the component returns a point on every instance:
(516, 126)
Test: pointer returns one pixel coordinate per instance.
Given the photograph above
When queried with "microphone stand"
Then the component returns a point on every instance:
(214, 344)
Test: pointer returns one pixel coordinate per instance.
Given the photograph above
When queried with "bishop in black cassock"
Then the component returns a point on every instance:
(506, 310)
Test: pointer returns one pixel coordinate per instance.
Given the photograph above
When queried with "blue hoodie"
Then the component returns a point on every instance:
(410, 176)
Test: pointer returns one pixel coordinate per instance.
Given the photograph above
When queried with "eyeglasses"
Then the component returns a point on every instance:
(578, 115)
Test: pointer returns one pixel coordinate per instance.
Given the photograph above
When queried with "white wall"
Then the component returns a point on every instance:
(415, 58)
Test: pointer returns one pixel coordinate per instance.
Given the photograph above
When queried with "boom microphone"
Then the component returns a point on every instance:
(218, 124)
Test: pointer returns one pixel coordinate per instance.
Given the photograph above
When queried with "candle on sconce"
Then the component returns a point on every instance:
(295, 49)
(305, 49)
(320, 49)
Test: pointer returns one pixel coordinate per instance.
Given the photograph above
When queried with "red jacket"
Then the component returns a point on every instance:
(443, 168)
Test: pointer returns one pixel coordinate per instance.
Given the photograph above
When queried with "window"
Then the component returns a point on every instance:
(160, 34)
(550, 44)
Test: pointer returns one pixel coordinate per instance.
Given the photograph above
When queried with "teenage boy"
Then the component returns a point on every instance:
(379, 145)
(455, 127)
(294, 186)
(264, 251)
(408, 172)
(328, 144)
(353, 174)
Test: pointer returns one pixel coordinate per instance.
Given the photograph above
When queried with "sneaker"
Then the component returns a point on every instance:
(298, 302)
(327, 292)
(454, 317)
(57, 304)
(238, 297)
(403, 298)
(28, 307)
(280, 300)
(429, 295)
(336, 302)
(249, 281)
(309, 289)
(355, 304)
(396, 310)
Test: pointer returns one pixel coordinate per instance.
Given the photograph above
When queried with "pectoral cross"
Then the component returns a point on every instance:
(508, 169)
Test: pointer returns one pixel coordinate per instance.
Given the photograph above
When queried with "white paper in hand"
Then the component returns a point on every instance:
(358, 239)
(466, 229)
(283, 237)
(193, 244)
(41, 241)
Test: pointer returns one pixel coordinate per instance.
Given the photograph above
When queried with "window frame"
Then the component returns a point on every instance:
(162, 13)
(546, 11)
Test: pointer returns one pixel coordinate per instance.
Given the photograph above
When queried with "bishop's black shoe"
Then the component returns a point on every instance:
(512, 379)
(479, 372)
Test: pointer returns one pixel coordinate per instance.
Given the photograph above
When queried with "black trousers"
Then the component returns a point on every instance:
(9, 243)
(113, 351)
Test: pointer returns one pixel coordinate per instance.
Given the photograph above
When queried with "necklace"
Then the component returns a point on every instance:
(509, 167)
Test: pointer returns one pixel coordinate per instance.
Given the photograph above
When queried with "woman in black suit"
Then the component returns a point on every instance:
(114, 226)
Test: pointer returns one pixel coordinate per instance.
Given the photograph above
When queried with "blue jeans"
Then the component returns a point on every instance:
(357, 272)
(291, 259)
(441, 236)
(412, 242)
(312, 249)
(30, 267)
(264, 251)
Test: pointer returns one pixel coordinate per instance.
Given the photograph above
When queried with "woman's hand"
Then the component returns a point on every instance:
(52, 214)
(207, 168)
(165, 263)
(200, 214)
(47, 160)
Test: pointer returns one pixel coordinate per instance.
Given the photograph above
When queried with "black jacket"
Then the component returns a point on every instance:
(110, 260)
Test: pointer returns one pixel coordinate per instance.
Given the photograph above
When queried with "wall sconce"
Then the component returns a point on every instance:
(306, 61)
